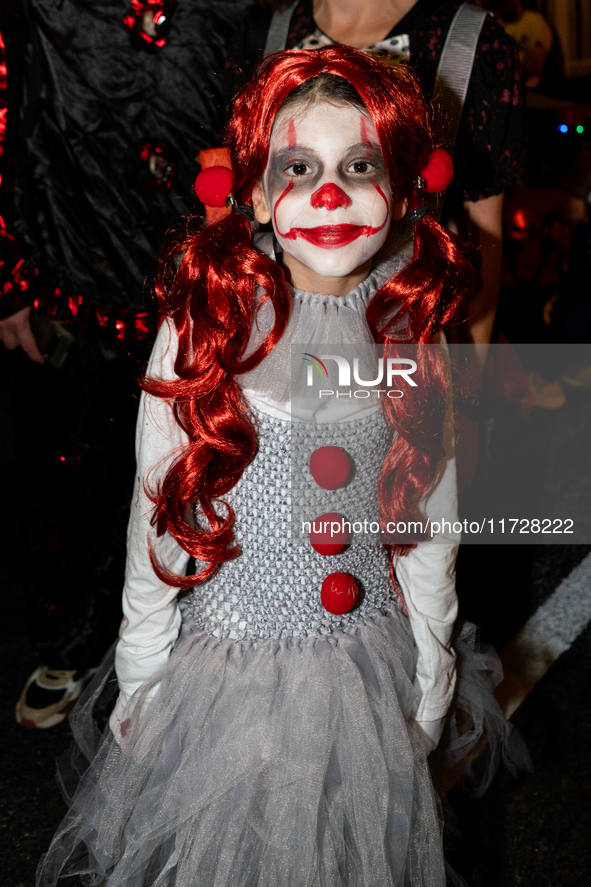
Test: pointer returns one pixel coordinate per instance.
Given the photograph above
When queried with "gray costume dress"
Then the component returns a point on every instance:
(270, 743)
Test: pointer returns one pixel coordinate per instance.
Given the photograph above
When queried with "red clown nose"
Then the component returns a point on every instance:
(330, 196)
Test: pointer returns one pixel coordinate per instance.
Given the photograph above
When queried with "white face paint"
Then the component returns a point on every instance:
(327, 187)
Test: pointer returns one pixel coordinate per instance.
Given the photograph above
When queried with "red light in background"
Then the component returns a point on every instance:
(519, 220)
(519, 227)
(74, 304)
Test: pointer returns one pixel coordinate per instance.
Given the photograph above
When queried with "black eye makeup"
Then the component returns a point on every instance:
(300, 167)
(363, 160)
(294, 163)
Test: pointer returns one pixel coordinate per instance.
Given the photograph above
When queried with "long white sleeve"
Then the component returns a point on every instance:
(427, 579)
(151, 620)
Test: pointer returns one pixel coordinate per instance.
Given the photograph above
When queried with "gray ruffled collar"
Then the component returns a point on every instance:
(318, 324)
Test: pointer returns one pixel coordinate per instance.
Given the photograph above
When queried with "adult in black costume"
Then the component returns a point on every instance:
(102, 133)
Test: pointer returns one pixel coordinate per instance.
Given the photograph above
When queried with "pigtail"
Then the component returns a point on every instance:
(220, 283)
(441, 279)
(411, 463)
(433, 288)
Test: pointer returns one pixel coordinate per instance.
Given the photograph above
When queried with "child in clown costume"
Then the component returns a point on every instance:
(266, 733)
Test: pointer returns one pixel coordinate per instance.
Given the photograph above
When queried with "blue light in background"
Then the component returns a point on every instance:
(563, 127)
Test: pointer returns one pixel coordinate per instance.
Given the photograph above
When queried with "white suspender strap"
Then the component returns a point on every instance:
(451, 84)
(278, 30)
(454, 72)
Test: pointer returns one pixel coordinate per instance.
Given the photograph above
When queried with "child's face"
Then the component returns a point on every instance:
(326, 188)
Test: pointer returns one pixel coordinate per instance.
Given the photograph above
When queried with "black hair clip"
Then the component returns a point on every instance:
(417, 214)
(246, 211)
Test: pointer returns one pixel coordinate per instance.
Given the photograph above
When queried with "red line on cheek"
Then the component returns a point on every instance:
(291, 234)
(384, 198)
(292, 138)
(368, 230)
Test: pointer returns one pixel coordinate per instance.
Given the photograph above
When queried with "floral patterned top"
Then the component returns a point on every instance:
(490, 139)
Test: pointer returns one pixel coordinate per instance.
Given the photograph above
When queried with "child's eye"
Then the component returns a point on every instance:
(361, 167)
(299, 168)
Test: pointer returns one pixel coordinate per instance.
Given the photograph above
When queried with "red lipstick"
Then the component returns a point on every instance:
(331, 236)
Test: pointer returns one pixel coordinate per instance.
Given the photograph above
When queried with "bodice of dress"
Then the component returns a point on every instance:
(272, 590)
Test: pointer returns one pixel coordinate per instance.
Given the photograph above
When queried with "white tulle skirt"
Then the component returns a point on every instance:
(284, 763)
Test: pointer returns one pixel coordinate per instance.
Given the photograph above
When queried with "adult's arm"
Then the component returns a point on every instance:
(487, 158)
(485, 229)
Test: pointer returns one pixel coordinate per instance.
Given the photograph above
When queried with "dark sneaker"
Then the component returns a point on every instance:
(49, 696)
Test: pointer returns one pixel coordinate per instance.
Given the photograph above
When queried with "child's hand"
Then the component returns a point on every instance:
(120, 721)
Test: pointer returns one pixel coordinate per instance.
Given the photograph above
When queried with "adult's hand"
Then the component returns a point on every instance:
(15, 332)
(575, 210)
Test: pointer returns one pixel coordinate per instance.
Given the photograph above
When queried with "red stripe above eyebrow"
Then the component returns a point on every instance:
(292, 138)
(365, 139)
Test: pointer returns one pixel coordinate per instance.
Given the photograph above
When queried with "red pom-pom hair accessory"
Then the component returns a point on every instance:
(213, 187)
(438, 172)
(206, 159)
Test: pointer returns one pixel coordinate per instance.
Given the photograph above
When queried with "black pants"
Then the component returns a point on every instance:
(74, 432)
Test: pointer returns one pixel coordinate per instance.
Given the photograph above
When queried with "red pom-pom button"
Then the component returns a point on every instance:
(339, 593)
(438, 172)
(213, 185)
(330, 467)
(328, 534)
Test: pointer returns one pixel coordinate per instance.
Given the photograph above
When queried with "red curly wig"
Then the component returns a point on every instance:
(211, 300)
